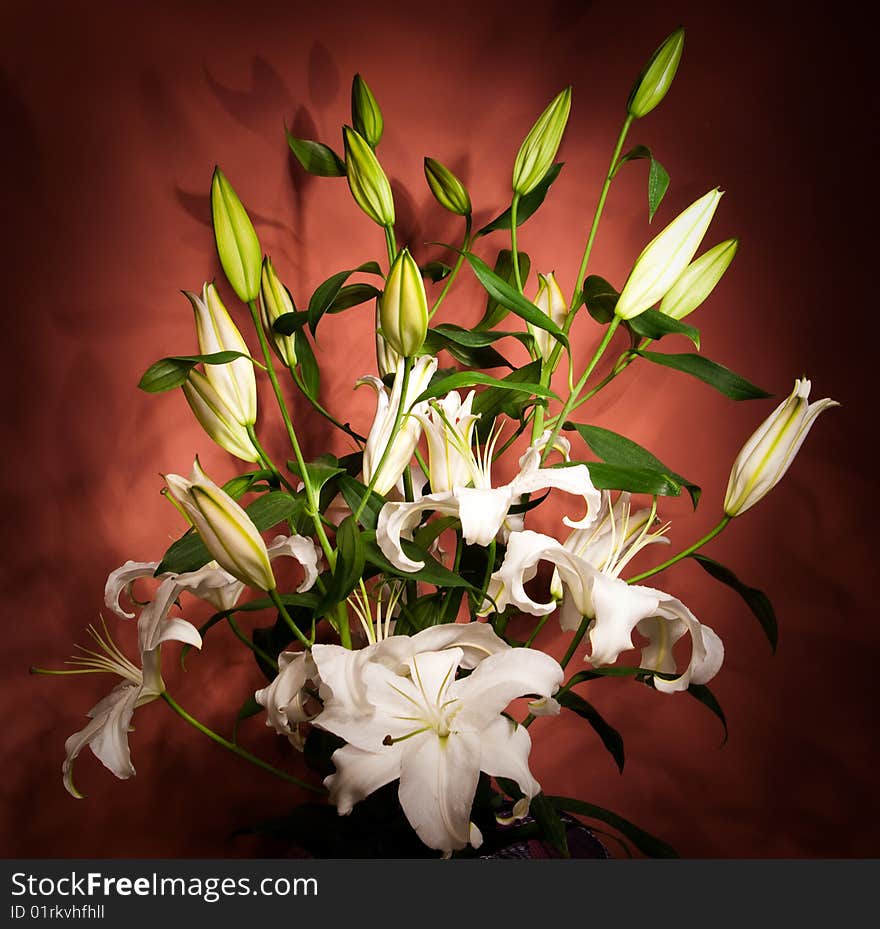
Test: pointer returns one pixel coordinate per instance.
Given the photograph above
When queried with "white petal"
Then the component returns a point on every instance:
(481, 512)
(283, 697)
(122, 579)
(438, 780)
(618, 608)
(106, 734)
(398, 520)
(213, 584)
(501, 678)
(505, 749)
(300, 549)
(359, 773)
(476, 641)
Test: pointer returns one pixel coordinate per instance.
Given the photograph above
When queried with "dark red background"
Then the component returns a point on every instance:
(113, 120)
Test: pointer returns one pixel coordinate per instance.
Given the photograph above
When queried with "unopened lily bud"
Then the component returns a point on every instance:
(366, 179)
(386, 358)
(224, 527)
(448, 190)
(665, 257)
(539, 148)
(698, 280)
(551, 301)
(767, 455)
(275, 301)
(655, 80)
(366, 117)
(234, 381)
(237, 243)
(403, 307)
(216, 418)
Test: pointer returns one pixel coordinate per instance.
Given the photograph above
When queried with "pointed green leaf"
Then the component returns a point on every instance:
(316, 157)
(171, 372)
(327, 292)
(600, 298)
(634, 480)
(527, 204)
(350, 560)
(435, 271)
(652, 324)
(473, 356)
(307, 364)
(353, 492)
(492, 402)
(495, 312)
(433, 572)
(643, 841)
(353, 295)
(611, 738)
(756, 600)
(705, 696)
(710, 372)
(472, 378)
(658, 178)
(291, 323)
(618, 450)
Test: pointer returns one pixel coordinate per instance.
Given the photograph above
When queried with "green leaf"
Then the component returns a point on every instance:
(422, 613)
(168, 373)
(350, 559)
(652, 324)
(353, 492)
(642, 840)
(276, 638)
(611, 738)
(618, 450)
(320, 471)
(553, 828)
(189, 553)
(239, 485)
(433, 572)
(472, 378)
(634, 480)
(307, 364)
(327, 292)
(353, 295)
(705, 696)
(527, 204)
(435, 271)
(756, 600)
(512, 299)
(290, 323)
(658, 178)
(710, 372)
(495, 312)
(474, 356)
(316, 157)
(492, 402)
(600, 298)
(478, 338)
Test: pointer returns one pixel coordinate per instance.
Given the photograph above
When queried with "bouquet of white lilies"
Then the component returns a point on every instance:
(391, 666)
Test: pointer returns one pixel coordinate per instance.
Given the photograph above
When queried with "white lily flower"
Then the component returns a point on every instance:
(434, 732)
(552, 302)
(768, 454)
(482, 509)
(106, 734)
(449, 429)
(285, 698)
(615, 608)
(614, 539)
(234, 382)
(224, 527)
(401, 451)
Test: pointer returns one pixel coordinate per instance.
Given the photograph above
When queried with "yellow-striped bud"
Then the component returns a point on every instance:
(366, 179)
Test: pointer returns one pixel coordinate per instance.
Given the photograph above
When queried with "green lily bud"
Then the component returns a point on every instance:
(656, 77)
(698, 280)
(448, 190)
(403, 307)
(368, 183)
(539, 147)
(386, 358)
(366, 117)
(227, 531)
(665, 257)
(237, 243)
(275, 301)
(216, 418)
(551, 301)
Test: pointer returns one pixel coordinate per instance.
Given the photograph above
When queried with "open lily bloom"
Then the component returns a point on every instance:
(285, 698)
(449, 429)
(483, 509)
(615, 608)
(110, 719)
(401, 451)
(435, 732)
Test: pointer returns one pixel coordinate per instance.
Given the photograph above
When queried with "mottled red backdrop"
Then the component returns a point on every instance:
(114, 116)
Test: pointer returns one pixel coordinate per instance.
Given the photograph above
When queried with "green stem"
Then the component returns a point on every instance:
(390, 243)
(395, 428)
(539, 625)
(683, 554)
(269, 659)
(282, 609)
(237, 749)
(324, 412)
(573, 396)
(465, 246)
(266, 460)
(514, 255)
(311, 496)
